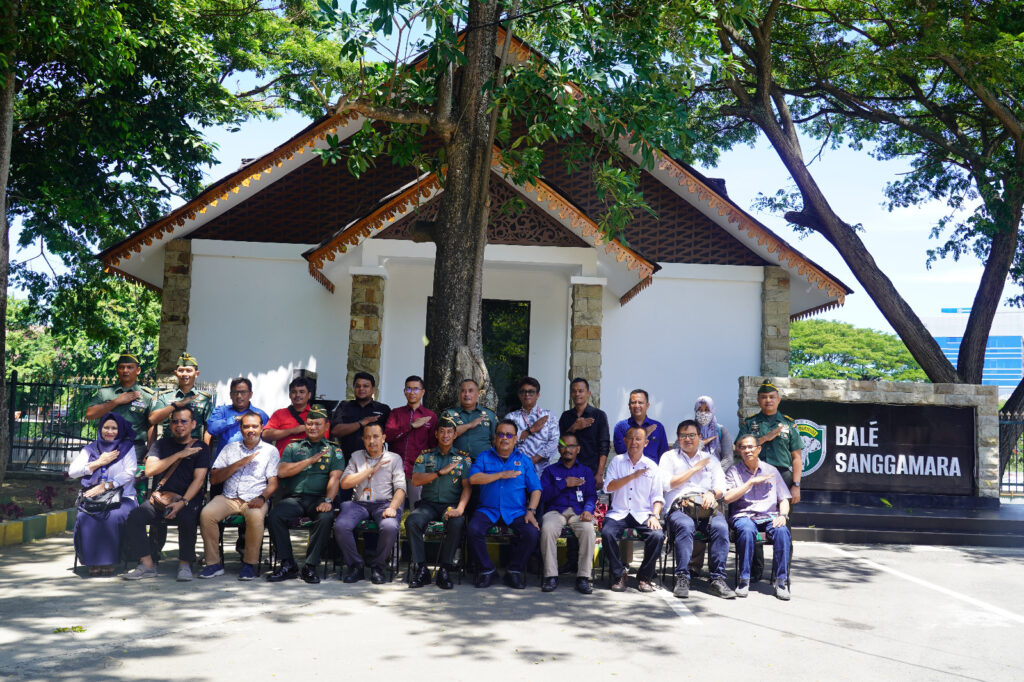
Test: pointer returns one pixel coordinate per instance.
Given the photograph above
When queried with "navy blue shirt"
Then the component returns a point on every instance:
(593, 440)
(505, 498)
(657, 442)
(557, 496)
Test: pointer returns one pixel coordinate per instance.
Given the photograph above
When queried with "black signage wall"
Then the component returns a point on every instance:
(885, 448)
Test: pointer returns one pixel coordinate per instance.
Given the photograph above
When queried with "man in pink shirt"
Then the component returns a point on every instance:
(410, 431)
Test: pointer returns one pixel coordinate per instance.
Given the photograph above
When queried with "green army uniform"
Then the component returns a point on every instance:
(202, 407)
(779, 451)
(136, 413)
(313, 479)
(435, 499)
(475, 440)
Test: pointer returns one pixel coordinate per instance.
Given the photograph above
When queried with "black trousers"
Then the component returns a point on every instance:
(140, 545)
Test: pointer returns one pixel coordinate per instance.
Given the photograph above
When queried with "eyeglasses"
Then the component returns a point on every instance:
(412, 390)
(746, 447)
(688, 436)
(504, 434)
(180, 421)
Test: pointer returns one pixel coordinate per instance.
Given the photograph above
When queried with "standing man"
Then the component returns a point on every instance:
(352, 416)
(248, 470)
(179, 463)
(538, 432)
(590, 426)
(509, 495)
(443, 474)
(777, 437)
(657, 440)
(310, 471)
(635, 484)
(694, 484)
(377, 480)
(225, 420)
(569, 496)
(410, 431)
(185, 394)
(474, 424)
(759, 501)
(288, 424)
(128, 399)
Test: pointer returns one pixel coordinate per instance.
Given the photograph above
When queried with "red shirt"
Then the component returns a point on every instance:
(283, 419)
(406, 441)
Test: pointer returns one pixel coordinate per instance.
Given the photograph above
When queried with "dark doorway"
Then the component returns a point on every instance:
(506, 332)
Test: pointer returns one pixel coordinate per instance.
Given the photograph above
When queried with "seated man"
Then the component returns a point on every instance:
(505, 476)
(310, 471)
(634, 483)
(694, 482)
(248, 470)
(178, 463)
(377, 480)
(443, 474)
(759, 501)
(569, 496)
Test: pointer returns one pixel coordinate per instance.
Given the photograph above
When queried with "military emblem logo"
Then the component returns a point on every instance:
(813, 436)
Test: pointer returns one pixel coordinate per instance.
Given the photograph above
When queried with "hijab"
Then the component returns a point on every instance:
(711, 428)
(124, 443)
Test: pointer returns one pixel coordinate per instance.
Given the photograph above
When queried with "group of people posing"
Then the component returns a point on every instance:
(470, 470)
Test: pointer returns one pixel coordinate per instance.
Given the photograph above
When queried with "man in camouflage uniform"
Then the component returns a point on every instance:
(128, 399)
(780, 442)
(185, 394)
(474, 424)
(444, 474)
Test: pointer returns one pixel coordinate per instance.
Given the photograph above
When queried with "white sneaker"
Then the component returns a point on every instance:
(184, 573)
(743, 588)
(140, 572)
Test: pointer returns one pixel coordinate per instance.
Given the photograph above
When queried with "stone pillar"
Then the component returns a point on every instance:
(366, 313)
(177, 291)
(775, 322)
(585, 334)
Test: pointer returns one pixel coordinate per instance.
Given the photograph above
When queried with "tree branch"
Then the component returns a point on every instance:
(1004, 115)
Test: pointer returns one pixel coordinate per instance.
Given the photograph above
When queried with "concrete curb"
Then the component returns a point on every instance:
(36, 527)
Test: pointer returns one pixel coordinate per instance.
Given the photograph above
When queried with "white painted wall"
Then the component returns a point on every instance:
(256, 312)
(693, 332)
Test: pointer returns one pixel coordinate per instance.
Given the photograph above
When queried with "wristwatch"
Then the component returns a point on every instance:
(262, 497)
(108, 485)
(796, 483)
(532, 511)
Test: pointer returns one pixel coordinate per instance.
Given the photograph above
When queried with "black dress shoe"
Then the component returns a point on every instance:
(308, 573)
(287, 571)
(377, 575)
(354, 574)
(549, 584)
(514, 580)
(443, 580)
(420, 576)
(583, 586)
(484, 580)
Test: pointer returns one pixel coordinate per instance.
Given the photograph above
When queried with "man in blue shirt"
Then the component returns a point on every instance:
(657, 439)
(569, 496)
(505, 476)
(225, 421)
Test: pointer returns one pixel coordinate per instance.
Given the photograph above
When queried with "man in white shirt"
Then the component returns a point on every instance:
(694, 483)
(248, 470)
(538, 432)
(377, 480)
(634, 483)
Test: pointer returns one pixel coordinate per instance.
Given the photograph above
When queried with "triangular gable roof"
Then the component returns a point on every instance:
(251, 178)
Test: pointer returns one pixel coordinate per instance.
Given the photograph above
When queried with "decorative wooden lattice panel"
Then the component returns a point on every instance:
(531, 227)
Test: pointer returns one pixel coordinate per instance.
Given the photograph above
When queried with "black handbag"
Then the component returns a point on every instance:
(109, 499)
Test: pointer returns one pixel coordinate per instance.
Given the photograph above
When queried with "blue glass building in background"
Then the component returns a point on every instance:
(1004, 353)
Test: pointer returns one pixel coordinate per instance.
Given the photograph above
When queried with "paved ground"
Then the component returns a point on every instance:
(858, 612)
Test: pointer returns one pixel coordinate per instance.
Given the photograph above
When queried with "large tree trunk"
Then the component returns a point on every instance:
(8, 31)
(460, 229)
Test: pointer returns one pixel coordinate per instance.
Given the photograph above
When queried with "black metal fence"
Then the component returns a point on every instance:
(1011, 454)
(47, 420)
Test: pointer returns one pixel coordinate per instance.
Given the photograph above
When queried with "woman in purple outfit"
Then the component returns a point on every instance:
(106, 463)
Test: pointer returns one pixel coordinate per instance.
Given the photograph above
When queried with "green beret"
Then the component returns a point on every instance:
(186, 360)
(317, 412)
(446, 423)
(767, 387)
(127, 357)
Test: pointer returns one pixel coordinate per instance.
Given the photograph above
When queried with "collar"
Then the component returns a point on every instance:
(647, 422)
